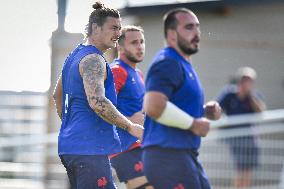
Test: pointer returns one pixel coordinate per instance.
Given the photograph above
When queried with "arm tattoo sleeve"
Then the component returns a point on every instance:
(93, 69)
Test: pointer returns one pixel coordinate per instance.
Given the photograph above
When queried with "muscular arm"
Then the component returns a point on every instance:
(93, 70)
(160, 86)
(154, 104)
(57, 97)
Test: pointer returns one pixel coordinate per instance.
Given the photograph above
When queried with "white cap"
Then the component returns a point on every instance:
(246, 72)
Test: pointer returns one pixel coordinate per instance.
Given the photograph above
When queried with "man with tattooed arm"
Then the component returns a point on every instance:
(85, 99)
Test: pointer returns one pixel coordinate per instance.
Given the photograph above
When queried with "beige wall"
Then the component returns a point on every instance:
(247, 36)
(62, 44)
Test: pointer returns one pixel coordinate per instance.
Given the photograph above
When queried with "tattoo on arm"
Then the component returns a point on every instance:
(93, 69)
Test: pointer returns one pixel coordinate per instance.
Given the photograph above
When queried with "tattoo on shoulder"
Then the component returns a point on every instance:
(93, 69)
(93, 64)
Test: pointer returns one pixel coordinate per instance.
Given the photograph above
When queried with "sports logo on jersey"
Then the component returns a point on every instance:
(133, 80)
(191, 76)
(179, 186)
(138, 166)
(102, 182)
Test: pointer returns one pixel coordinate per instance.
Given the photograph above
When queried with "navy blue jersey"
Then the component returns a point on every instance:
(130, 90)
(175, 77)
(232, 104)
(82, 131)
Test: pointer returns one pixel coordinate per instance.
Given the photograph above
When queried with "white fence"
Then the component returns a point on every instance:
(28, 156)
(261, 143)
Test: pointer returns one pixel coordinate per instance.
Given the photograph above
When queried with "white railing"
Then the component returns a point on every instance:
(267, 130)
(36, 172)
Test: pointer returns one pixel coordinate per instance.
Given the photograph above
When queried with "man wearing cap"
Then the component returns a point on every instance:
(241, 99)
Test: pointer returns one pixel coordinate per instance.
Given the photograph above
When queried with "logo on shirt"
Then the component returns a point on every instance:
(102, 182)
(191, 76)
(133, 80)
(138, 166)
(179, 186)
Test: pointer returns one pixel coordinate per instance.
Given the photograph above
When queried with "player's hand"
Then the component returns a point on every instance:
(136, 130)
(138, 118)
(200, 127)
(212, 110)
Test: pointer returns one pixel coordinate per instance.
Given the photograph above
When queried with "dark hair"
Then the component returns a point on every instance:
(99, 16)
(126, 29)
(170, 21)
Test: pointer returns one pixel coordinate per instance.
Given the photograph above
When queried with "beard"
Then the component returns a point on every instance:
(183, 45)
(131, 57)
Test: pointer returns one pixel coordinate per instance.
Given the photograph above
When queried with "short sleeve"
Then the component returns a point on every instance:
(165, 76)
(120, 77)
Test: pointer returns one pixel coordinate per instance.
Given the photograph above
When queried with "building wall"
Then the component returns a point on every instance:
(244, 36)
(62, 44)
